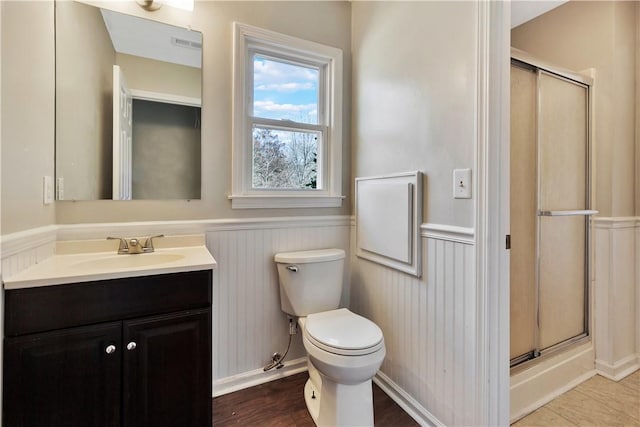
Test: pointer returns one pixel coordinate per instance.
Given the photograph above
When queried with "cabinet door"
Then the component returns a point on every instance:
(70, 377)
(167, 370)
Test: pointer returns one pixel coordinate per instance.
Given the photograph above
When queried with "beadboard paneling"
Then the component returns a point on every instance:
(429, 325)
(248, 325)
(26, 248)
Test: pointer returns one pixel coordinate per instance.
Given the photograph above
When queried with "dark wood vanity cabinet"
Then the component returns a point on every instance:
(91, 354)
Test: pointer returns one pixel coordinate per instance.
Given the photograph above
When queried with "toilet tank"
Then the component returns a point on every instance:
(310, 281)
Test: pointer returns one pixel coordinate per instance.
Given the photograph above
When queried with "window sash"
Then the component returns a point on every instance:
(321, 155)
(288, 125)
(329, 60)
(277, 55)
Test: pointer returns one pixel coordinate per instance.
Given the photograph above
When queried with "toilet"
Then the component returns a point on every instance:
(344, 350)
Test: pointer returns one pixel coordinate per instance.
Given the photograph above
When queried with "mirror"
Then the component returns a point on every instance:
(140, 140)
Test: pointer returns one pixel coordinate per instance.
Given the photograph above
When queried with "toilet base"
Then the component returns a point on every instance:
(333, 404)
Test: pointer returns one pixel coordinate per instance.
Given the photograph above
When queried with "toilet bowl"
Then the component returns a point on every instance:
(344, 350)
(344, 346)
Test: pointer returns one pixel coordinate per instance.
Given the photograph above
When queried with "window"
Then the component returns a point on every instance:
(287, 148)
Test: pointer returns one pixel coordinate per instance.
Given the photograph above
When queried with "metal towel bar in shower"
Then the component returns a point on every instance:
(567, 213)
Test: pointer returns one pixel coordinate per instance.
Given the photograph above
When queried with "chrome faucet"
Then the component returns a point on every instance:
(134, 246)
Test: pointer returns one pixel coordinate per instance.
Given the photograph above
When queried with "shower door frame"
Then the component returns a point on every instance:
(526, 61)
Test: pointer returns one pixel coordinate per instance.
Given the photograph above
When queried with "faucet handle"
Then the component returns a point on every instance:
(123, 247)
(148, 245)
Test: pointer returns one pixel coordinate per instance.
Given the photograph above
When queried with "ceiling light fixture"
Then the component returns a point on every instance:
(149, 5)
(156, 4)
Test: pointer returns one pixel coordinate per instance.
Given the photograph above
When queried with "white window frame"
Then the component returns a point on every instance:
(247, 41)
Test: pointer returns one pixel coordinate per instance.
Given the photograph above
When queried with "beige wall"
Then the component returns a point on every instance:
(84, 108)
(29, 155)
(162, 77)
(166, 153)
(600, 35)
(27, 113)
(323, 22)
(414, 96)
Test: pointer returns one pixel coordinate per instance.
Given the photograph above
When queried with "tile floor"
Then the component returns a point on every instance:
(596, 402)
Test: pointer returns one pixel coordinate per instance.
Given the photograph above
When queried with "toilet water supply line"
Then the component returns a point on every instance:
(276, 359)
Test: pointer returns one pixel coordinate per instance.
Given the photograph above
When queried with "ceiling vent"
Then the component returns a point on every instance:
(186, 43)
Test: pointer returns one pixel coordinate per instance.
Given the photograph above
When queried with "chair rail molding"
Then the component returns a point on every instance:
(451, 233)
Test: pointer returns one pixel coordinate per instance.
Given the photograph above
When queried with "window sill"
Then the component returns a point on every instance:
(279, 201)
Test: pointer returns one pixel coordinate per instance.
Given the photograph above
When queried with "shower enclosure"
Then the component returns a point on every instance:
(550, 209)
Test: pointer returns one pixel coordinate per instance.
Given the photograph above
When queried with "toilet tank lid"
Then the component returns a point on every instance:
(303, 257)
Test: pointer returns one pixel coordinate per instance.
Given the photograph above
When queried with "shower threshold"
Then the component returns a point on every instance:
(522, 362)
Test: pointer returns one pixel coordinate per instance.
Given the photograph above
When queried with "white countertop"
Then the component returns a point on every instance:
(91, 260)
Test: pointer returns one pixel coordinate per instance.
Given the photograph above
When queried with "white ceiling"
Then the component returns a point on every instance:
(525, 10)
(154, 40)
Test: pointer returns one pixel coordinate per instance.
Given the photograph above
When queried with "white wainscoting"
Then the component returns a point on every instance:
(617, 305)
(23, 249)
(248, 326)
(429, 325)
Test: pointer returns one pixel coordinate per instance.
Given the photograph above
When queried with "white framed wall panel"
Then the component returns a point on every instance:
(388, 212)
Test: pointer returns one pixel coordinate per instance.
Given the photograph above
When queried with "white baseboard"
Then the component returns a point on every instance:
(620, 369)
(405, 401)
(257, 377)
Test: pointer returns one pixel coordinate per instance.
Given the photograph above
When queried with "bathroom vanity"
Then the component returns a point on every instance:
(133, 350)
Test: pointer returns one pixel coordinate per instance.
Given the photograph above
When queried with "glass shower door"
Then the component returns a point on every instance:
(524, 205)
(549, 211)
(563, 203)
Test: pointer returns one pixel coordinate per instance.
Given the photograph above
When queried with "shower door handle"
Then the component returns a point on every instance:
(567, 213)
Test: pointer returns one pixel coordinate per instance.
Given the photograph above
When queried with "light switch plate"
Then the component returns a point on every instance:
(47, 190)
(462, 183)
(60, 188)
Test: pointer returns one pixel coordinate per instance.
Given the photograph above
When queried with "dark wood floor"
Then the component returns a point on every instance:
(281, 404)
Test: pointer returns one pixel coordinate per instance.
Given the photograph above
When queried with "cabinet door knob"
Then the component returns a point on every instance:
(131, 346)
(110, 349)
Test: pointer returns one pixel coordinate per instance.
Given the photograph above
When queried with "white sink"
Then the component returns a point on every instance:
(128, 261)
(94, 260)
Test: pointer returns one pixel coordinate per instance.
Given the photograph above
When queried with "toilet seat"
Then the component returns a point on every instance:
(343, 333)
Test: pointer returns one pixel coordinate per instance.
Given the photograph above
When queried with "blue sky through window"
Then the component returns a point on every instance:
(283, 91)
